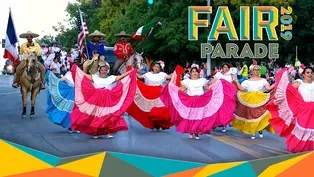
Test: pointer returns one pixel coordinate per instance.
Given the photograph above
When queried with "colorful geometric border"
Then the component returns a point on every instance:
(20, 161)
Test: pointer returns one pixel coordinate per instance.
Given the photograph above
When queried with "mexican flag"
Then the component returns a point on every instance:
(145, 30)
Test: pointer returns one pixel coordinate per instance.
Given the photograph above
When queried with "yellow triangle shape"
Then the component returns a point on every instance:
(275, 169)
(89, 166)
(216, 168)
(14, 161)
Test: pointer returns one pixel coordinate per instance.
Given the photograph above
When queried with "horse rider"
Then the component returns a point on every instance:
(95, 46)
(27, 48)
(122, 49)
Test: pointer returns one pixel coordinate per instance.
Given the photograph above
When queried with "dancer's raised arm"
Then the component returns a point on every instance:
(118, 78)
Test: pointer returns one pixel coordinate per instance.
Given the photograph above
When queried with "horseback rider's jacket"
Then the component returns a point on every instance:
(99, 47)
(28, 48)
(123, 50)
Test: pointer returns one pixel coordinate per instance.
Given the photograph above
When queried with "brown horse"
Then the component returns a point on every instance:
(91, 66)
(30, 82)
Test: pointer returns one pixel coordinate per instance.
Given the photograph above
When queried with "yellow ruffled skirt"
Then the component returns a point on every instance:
(251, 115)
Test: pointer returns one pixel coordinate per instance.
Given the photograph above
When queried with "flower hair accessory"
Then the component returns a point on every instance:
(162, 64)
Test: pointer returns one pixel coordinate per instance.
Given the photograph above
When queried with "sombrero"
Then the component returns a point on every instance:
(54, 42)
(97, 33)
(29, 33)
(122, 34)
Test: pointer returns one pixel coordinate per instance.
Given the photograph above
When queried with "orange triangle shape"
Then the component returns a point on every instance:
(187, 173)
(304, 167)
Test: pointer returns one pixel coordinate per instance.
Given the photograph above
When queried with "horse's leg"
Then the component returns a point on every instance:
(116, 66)
(33, 98)
(24, 99)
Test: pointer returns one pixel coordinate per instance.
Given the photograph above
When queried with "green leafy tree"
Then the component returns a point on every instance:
(169, 42)
(47, 39)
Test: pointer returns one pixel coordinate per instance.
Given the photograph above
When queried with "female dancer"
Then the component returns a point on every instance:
(147, 107)
(60, 99)
(100, 104)
(292, 110)
(226, 75)
(251, 115)
(55, 67)
(197, 112)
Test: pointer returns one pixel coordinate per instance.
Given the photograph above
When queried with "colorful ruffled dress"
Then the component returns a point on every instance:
(147, 108)
(98, 107)
(60, 99)
(251, 115)
(197, 111)
(293, 113)
(227, 77)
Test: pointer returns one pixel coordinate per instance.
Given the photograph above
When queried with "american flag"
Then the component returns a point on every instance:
(83, 32)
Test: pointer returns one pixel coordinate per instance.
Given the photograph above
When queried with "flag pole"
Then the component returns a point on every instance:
(81, 16)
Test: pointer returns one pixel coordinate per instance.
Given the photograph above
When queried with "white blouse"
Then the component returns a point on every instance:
(233, 70)
(306, 90)
(69, 79)
(55, 67)
(258, 85)
(155, 79)
(54, 49)
(227, 76)
(195, 87)
(107, 83)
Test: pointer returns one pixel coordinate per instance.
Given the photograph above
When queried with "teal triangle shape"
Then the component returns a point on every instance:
(156, 166)
(50, 159)
(243, 170)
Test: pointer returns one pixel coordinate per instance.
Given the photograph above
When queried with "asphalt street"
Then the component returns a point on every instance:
(43, 135)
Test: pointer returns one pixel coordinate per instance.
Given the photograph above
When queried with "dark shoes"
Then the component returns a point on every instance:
(15, 85)
(42, 87)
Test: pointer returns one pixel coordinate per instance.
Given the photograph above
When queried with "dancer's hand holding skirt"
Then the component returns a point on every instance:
(99, 111)
(292, 117)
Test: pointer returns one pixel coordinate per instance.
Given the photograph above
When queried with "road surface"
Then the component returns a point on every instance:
(45, 136)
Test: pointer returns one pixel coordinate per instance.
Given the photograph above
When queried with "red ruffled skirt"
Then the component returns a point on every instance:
(148, 109)
(99, 111)
(292, 117)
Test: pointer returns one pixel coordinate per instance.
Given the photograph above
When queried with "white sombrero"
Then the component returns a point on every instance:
(122, 34)
(29, 33)
(97, 33)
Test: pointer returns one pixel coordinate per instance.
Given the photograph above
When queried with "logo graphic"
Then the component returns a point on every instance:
(223, 25)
